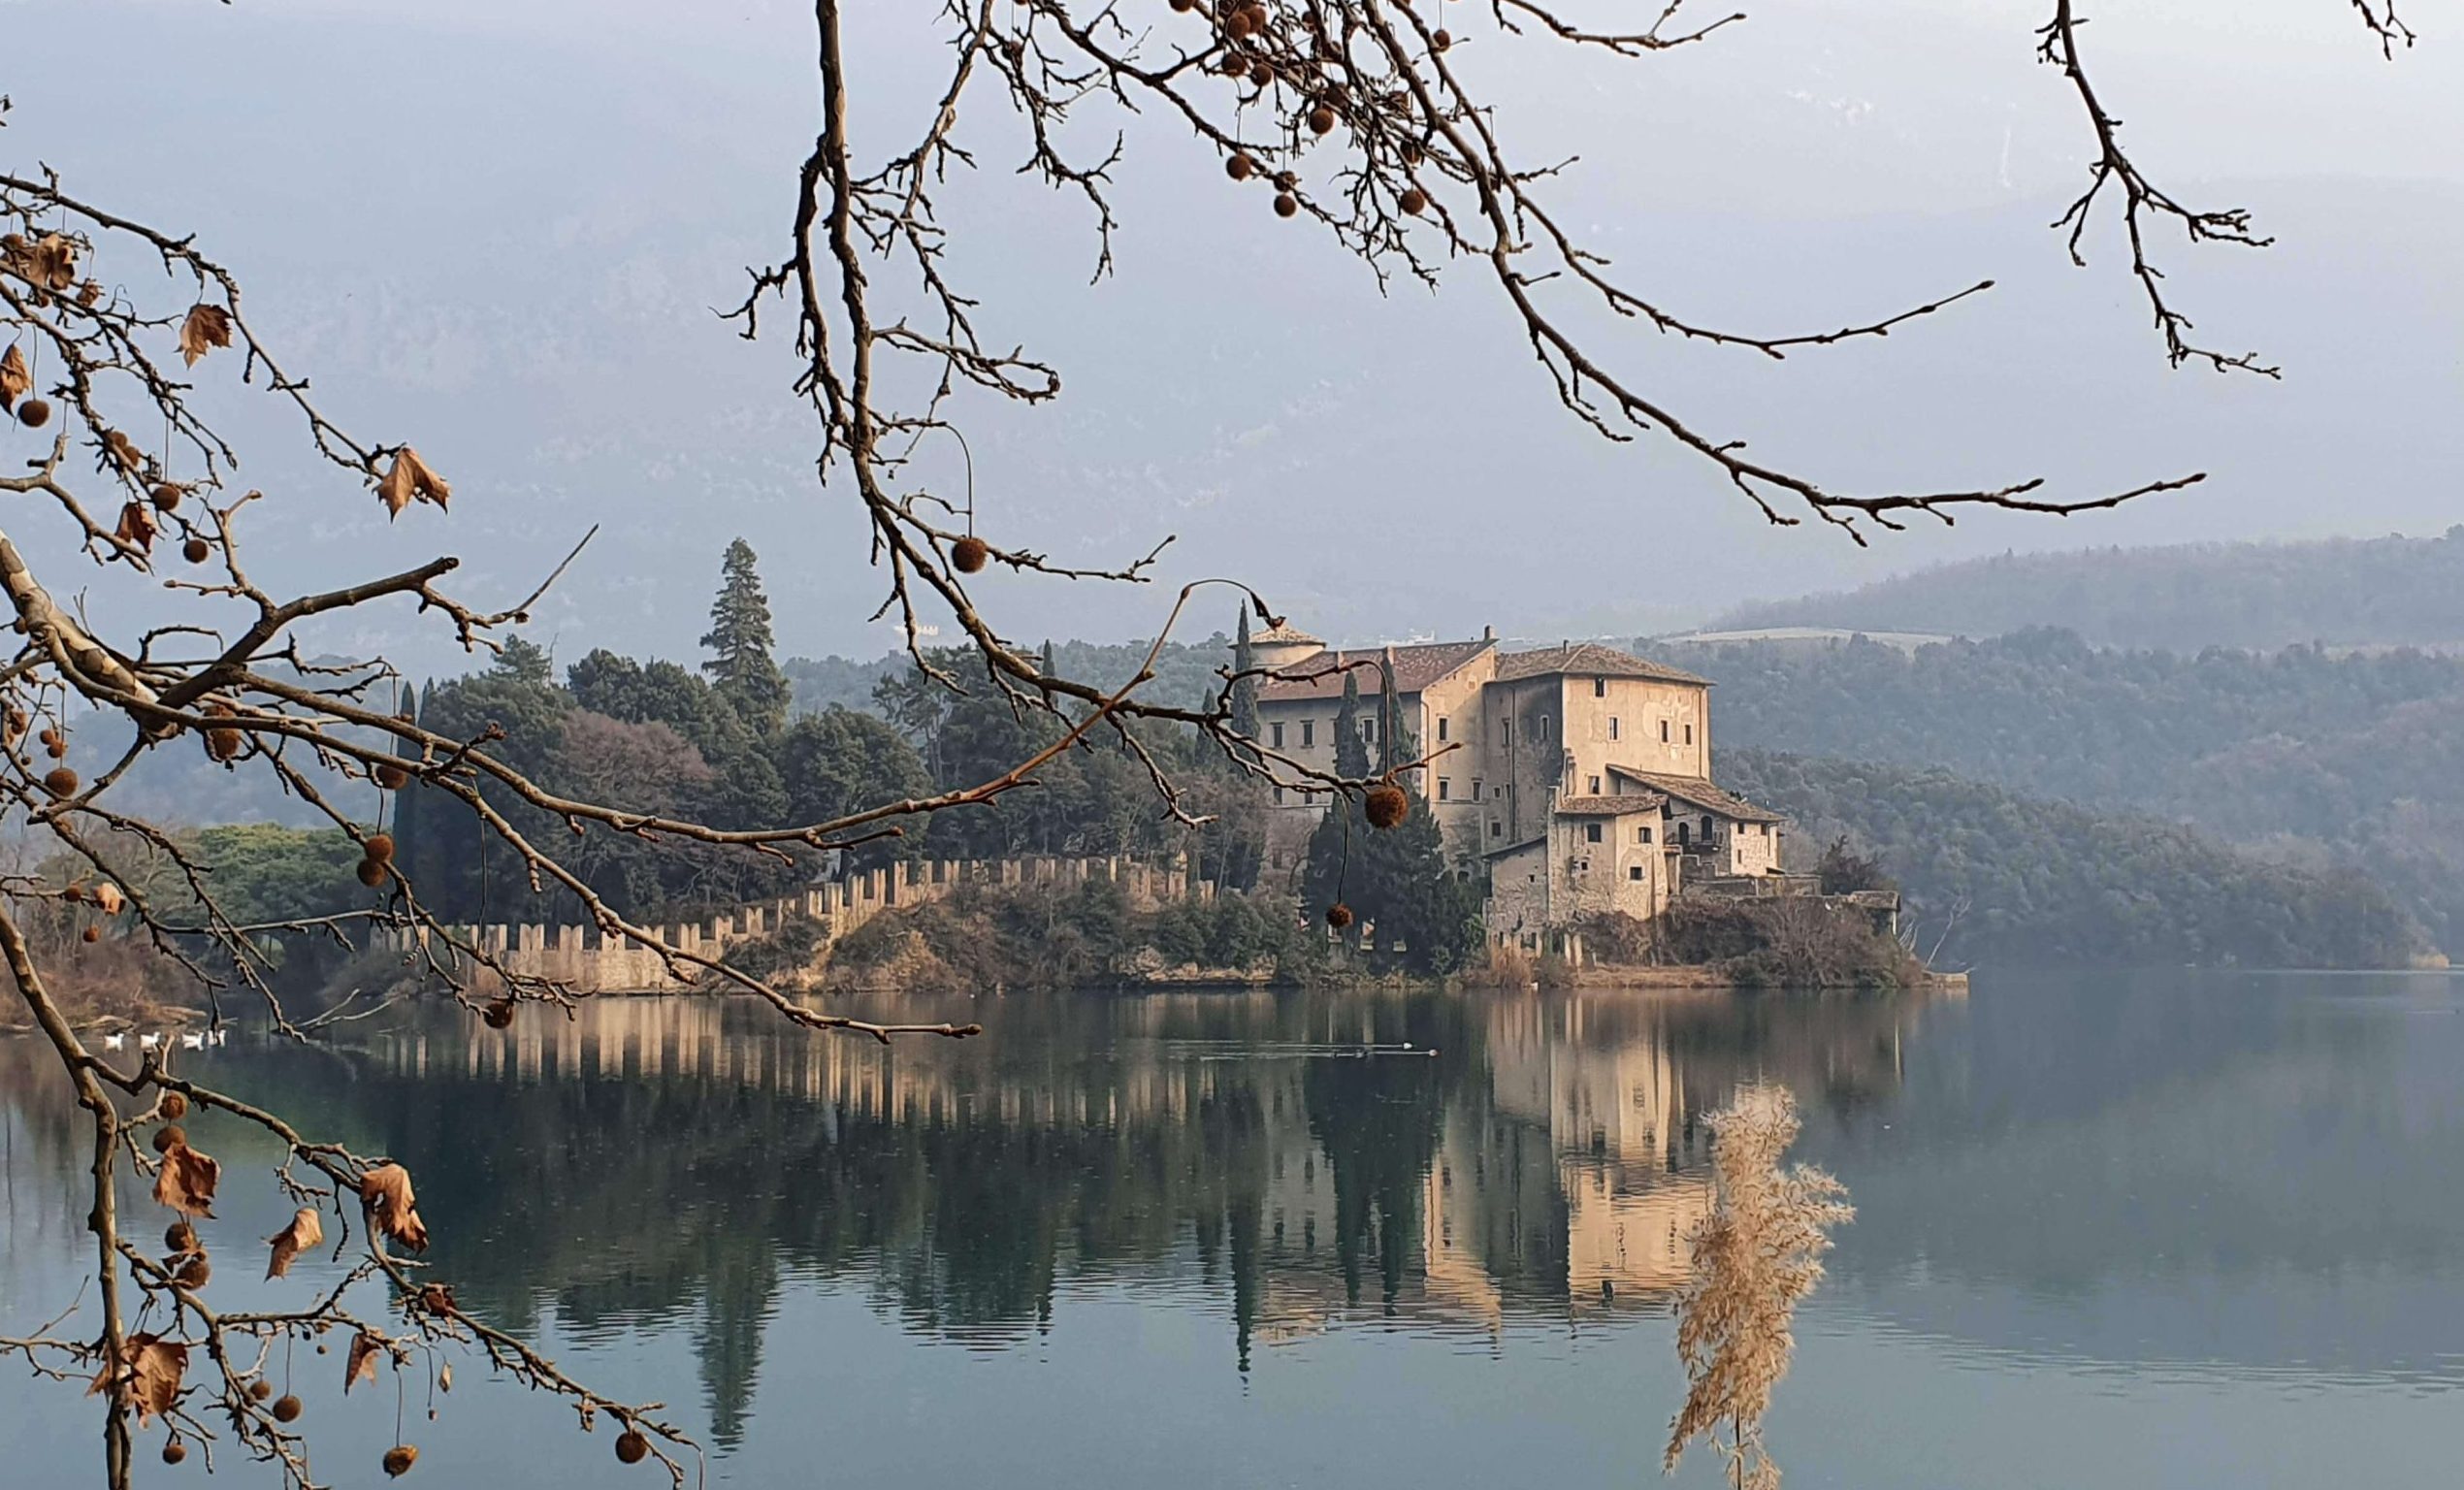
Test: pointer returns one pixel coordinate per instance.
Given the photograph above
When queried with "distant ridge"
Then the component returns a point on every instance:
(2342, 593)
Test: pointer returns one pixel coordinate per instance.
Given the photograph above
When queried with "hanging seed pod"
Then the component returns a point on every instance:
(1286, 205)
(1233, 65)
(174, 1451)
(1414, 201)
(60, 781)
(260, 1389)
(968, 555)
(33, 413)
(1184, 6)
(1239, 26)
(1440, 40)
(286, 1409)
(179, 1238)
(1262, 72)
(371, 873)
(1322, 120)
(1239, 167)
(196, 550)
(399, 1459)
(498, 1013)
(74, 894)
(1285, 180)
(170, 1136)
(392, 777)
(1386, 806)
(380, 848)
(632, 1448)
(165, 497)
(195, 1273)
(90, 935)
(1339, 916)
(175, 1106)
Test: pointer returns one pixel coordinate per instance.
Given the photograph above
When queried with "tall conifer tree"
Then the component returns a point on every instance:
(739, 641)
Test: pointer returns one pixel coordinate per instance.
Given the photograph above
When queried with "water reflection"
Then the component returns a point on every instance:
(2189, 1212)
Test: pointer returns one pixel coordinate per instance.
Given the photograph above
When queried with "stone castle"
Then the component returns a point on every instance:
(1579, 776)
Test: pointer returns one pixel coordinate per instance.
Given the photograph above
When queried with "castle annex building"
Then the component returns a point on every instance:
(1578, 775)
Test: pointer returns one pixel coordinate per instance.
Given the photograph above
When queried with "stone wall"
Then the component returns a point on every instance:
(591, 961)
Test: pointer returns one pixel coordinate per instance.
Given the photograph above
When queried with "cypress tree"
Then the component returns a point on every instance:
(739, 641)
(1244, 686)
(1332, 871)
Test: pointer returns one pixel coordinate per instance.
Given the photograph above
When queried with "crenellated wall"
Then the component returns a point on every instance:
(591, 961)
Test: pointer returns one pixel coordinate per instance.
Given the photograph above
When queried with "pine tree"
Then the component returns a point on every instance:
(1244, 686)
(1332, 871)
(739, 641)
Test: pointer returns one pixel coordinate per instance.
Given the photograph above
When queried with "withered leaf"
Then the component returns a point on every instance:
(304, 1232)
(136, 526)
(150, 1374)
(186, 1180)
(385, 1192)
(89, 294)
(206, 328)
(444, 1378)
(361, 1364)
(123, 451)
(53, 263)
(14, 376)
(410, 478)
(108, 898)
(437, 1298)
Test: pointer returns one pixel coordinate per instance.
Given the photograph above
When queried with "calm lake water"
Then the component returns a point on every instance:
(2168, 1231)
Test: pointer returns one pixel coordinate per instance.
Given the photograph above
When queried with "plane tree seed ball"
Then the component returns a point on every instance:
(632, 1448)
(1386, 806)
(969, 554)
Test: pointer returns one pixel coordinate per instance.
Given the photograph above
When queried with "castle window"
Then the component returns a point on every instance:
(1682, 836)
(1279, 796)
(1600, 687)
(1506, 729)
(1594, 786)
(1545, 727)
(1633, 871)
(1613, 727)
(1445, 789)
(1707, 828)
(1475, 788)
(1591, 833)
(1765, 828)
(1309, 733)
(1496, 829)
(1275, 735)
(1664, 731)
(1441, 731)
(1689, 734)
(1642, 834)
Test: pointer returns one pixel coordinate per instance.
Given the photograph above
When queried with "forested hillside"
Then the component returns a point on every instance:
(1993, 877)
(2319, 760)
(2343, 593)
(1186, 672)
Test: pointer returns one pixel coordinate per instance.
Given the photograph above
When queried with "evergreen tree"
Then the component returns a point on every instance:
(1244, 686)
(739, 641)
(1331, 872)
(412, 806)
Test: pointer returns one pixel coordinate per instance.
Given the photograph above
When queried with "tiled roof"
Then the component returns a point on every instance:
(1591, 659)
(1701, 794)
(1609, 806)
(1322, 676)
(1516, 848)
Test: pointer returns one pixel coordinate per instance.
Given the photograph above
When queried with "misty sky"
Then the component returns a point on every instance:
(498, 229)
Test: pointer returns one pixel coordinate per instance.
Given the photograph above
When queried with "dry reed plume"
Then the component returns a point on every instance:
(1755, 1256)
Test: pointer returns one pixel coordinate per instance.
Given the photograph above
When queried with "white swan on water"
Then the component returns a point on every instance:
(113, 1042)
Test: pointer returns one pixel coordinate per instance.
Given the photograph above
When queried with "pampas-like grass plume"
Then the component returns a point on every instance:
(1756, 1256)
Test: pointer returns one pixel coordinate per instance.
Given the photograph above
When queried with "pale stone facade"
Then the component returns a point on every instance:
(1580, 775)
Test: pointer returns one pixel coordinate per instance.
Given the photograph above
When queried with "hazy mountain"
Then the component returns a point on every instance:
(501, 232)
(2343, 591)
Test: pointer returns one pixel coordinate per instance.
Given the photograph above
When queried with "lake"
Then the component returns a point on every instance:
(2115, 1231)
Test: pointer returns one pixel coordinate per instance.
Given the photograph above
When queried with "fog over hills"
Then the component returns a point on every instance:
(500, 232)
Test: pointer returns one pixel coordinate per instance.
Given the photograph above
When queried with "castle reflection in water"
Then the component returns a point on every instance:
(1296, 1159)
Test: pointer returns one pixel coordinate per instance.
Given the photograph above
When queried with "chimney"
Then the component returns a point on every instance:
(1488, 633)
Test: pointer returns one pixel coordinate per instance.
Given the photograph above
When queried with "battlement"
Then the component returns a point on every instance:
(589, 960)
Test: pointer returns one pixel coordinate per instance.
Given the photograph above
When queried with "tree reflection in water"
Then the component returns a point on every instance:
(1274, 1155)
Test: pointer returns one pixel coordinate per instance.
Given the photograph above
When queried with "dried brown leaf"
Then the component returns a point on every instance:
(206, 328)
(409, 478)
(186, 1180)
(52, 263)
(14, 376)
(361, 1364)
(392, 1209)
(108, 898)
(137, 527)
(304, 1232)
(150, 1374)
